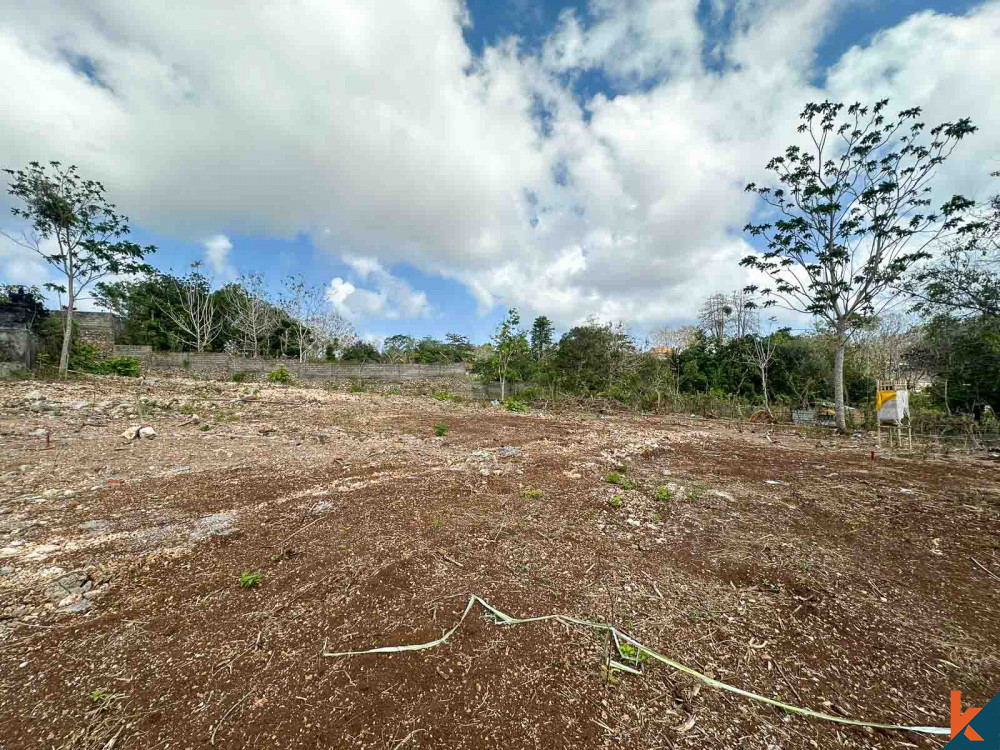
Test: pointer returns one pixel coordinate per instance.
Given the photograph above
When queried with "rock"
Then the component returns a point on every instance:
(484, 471)
(36, 406)
(266, 429)
(76, 405)
(147, 432)
(39, 433)
(131, 433)
(509, 451)
(6, 571)
(68, 493)
(35, 396)
(50, 493)
(98, 525)
(76, 606)
(209, 525)
(23, 468)
(96, 593)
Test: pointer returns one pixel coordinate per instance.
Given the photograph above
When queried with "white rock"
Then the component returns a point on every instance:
(147, 432)
(39, 433)
(34, 396)
(132, 432)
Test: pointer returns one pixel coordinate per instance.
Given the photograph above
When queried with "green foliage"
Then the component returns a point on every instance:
(281, 376)
(249, 579)
(541, 337)
(205, 427)
(444, 396)
(127, 367)
(441, 429)
(656, 518)
(613, 478)
(436, 524)
(361, 351)
(663, 494)
(634, 654)
(100, 695)
(513, 404)
(243, 376)
(534, 494)
(615, 501)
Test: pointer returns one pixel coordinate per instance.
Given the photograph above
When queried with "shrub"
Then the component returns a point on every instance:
(613, 478)
(281, 376)
(441, 429)
(615, 501)
(512, 404)
(663, 494)
(250, 579)
(355, 386)
(127, 367)
(529, 394)
(444, 396)
(243, 376)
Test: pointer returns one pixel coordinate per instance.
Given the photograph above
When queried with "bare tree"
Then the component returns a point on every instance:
(744, 319)
(714, 316)
(196, 320)
(880, 348)
(251, 312)
(303, 304)
(760, 356)
(330, 329)
(675, 339)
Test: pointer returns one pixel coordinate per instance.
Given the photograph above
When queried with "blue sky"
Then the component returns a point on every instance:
(433, 164)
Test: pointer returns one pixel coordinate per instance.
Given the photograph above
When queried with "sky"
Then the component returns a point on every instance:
(433, 162)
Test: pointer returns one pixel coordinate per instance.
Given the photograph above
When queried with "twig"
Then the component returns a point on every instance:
(406, 739)
(788, 682)
(985, 570)
(452, 560)
(226, 715)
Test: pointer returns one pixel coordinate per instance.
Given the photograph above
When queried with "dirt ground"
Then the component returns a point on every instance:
(789, 565)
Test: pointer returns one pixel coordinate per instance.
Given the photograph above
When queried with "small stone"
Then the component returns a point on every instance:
(68, 493)
(80, 605)
(131, 433)
(95, 593)
(23, 467)
(50, 493)
(98, 525)
(147, 432)
(509, 451)
(39, 433)
(6, 571)
(76, 405)
(266, 429)
(35, 396)
(484, 471)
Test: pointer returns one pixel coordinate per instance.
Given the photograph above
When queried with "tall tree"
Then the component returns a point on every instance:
(714, 316)
(852, 215)
(303, 303)
(541, 337)
(76, 230)
(196, 321)
(509, 343)
(251, 312)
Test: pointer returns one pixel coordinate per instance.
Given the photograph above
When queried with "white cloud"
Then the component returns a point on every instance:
(217, 249)
(392, 297)
(370, 126)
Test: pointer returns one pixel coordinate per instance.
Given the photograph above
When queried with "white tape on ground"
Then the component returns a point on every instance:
(506, 619)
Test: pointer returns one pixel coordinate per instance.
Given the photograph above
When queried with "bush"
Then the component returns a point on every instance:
(243, 376)
(281, 376)
(127, 367)
(529, 394)
(441, 429)
(512, 404)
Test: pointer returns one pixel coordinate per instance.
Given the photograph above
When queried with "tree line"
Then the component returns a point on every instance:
(849, 232)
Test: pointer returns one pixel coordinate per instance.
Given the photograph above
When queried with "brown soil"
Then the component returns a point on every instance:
(785, 566)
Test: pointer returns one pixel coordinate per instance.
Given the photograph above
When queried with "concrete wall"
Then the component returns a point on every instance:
(220, 364)
(97, 328)
(17, 348)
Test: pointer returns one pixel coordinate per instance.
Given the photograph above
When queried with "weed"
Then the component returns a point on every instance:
(355, 386)
(633, 653)
(774, 588)
(534, 494)
(250, 579)
(696, 615)
(186, 409)
(512, 404)
(205, 427)
(436, 524)
(613, 478)
(615, 501)
(280, 376)
(590, 515)
(663, 494)
(694, 493)
(100, 695)
(242, 376)
(656, 518)
(609, 675)
(805, 565)
(443, 396)
(441, 429)
(628, 484)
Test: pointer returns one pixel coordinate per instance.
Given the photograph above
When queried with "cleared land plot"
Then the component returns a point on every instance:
(783, 565)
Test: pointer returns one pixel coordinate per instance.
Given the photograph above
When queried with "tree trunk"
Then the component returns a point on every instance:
(67, 330)
(838, 384)
(763, 383)
(502, 384)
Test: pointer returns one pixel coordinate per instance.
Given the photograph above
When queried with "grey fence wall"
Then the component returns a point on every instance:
(221, 364)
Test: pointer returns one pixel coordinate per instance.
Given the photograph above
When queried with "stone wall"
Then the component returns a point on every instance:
(221, 365)
(97, 328)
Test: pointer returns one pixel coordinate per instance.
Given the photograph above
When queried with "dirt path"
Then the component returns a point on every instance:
(789, 568)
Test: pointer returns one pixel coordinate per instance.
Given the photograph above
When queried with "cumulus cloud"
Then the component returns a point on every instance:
(484, 169)
(217, 249)
(389, 297)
